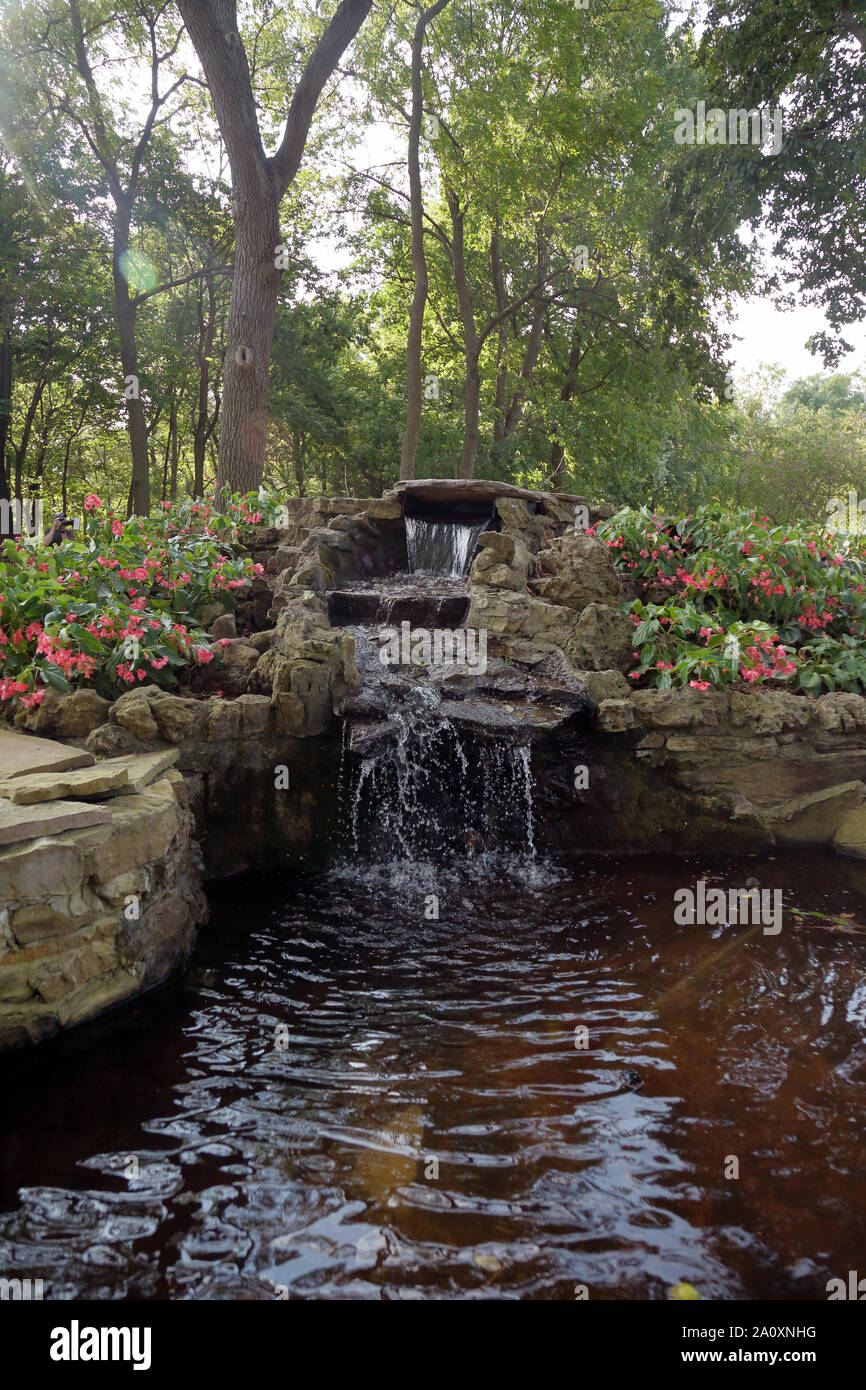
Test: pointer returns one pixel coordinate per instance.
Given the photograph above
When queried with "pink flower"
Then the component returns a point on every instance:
(699, 685)
(91, 502)
(203, 656)
(117, 527)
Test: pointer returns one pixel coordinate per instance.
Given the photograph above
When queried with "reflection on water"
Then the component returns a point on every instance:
(432, 1129)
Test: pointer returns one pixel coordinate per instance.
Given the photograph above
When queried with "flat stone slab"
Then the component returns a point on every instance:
(21, 754)
(78, 783)
(142, 768)
(494, 717)
(465, 490)
(32, 822)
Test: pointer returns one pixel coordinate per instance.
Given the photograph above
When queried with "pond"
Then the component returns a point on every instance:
(549, 1088)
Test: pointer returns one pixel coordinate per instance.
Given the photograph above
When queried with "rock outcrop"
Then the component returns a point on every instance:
(94, 907)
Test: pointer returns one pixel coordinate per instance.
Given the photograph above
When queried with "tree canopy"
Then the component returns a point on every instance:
(321, 245)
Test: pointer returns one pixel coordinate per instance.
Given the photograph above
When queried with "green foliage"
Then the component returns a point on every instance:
(811, 197)
(729, 598)
(122, 605)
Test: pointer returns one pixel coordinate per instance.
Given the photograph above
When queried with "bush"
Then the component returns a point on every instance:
(123, 604)
(727, 598)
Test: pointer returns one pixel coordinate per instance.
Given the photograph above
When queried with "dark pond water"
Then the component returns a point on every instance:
(432, 1130)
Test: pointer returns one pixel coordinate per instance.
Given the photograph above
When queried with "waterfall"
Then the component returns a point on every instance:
(441, 547)
(439, 794)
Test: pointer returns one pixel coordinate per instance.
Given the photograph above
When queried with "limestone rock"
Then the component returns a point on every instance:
(602, 640)
(20, 754)
(311, 668)
(109, 741)
(516, 518)
(261, 679)
(223, 626)
(211, 610)
(503, 561)
(177, 717)
(768, 711)
(141, 769)
(604, 685)
(816, 818)
(132, 713)
(850, 837)
(840, 713)
(32, 822)
(40, 869)
(385, 509)
(79, 783)
(255, 715)
(578, 571)
(615, 716)
(679, 709)
(503, 612)
(80, 712)
(139, 830)
(239, 659)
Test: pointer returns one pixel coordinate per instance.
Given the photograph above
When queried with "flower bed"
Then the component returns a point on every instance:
(123, 604)
(728, 598)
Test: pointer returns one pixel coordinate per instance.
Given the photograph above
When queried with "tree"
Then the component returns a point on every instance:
(811, 62)
(414, 389)
(61, 50)
(259, 184)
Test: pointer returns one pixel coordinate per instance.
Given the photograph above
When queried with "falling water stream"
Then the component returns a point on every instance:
(441, 547)
(439, 797)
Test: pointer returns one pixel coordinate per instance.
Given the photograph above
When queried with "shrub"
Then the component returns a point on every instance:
(121, 605)
(728, 598)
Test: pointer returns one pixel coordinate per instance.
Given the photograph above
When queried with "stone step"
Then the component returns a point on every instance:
(32, 822)
(78, 783)
(352, 609)
(143, 768)
(21, 754)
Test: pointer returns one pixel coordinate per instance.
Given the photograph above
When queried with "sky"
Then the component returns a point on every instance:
(768, 336)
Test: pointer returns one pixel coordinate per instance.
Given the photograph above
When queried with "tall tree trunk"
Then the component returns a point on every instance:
(202, 425)
(175, 457)
(249, 334)
(471, 346)
(26, 431)
(502, 339)
(5, 400)
(527, 368)
(419, 260)
(471, 411)
(64, 480)
(125, 309)
(169, 457)
(259, 183)
(298, 461)
(533, 343)
(569, 386)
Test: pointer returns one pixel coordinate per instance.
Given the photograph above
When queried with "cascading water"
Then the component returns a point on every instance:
(441, 547)
(439, 795)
